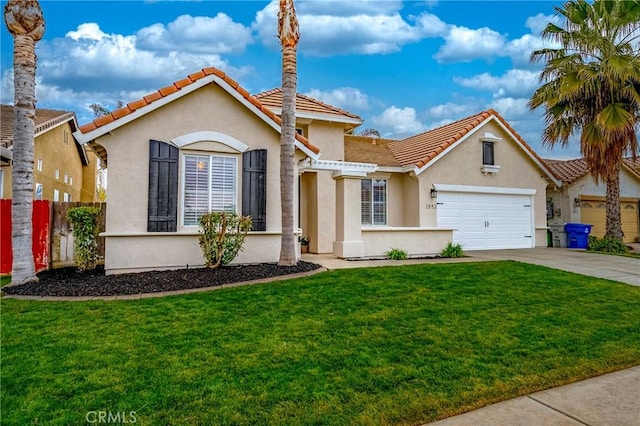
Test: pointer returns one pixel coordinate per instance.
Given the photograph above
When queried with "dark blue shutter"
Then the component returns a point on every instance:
(254, 188)
(163, 187)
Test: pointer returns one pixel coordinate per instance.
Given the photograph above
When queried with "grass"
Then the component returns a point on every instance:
(4, 280)
(393, 345)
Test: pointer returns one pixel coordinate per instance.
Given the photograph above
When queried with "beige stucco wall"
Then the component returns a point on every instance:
(319, 191)
(415, 241)
(206, 109)
(58, 151)
(164, 251)
(462, 166)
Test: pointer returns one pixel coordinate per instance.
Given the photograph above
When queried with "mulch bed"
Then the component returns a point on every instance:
(68, 282)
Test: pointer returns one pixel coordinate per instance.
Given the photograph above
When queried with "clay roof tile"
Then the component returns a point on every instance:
(166, 91)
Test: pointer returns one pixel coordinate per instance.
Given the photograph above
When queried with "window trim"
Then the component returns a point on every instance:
(372, 203)
(181, 181)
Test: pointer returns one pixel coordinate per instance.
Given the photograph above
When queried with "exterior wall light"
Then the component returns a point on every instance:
(576, 202)
(434, 193)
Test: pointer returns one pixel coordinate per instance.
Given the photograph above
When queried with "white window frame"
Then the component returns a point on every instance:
(39, 165)
(71, 180)
(39, 192)
(56, 195)
(236, 182)
(373, 203)
(66, 197)
(57, 174)
(66, 178)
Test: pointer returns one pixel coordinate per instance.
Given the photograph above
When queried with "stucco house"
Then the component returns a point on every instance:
(581, 200)
(63, 170)
(205, 143)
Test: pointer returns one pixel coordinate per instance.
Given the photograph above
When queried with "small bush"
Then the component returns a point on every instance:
(84, 221)
(607, 245)
(222, 236)
(452, 250)
(397, 254)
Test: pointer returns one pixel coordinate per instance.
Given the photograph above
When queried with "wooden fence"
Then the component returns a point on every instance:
(52, 234)
(62, 234)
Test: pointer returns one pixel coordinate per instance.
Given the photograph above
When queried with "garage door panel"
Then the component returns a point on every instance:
(487, 221)
(593, 212)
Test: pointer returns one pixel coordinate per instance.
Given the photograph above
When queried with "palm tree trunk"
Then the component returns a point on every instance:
(288, 34)
(614, 219)
(25, 22)
(23, 268)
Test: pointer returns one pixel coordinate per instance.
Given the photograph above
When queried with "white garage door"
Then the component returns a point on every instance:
(485, 221)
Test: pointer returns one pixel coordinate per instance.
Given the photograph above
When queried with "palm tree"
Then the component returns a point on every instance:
(26, 24)
(591, 86)
(288, 34)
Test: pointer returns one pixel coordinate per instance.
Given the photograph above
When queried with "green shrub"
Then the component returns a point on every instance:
(607, 245)
(222, 236)
(452, 250)
(84, 221)
(396, 254)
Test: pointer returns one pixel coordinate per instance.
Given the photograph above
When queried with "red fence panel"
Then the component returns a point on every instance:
(40, 220)
(6, 252)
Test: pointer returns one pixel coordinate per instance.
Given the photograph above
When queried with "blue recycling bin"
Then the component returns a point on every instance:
(577, 235)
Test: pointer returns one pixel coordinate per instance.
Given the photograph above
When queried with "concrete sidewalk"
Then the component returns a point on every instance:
(611, 400)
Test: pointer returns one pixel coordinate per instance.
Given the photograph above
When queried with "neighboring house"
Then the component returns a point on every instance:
(581, 200)
(205, 143)
(63, 170)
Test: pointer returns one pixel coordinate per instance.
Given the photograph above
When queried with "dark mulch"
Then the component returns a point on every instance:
(68, 282)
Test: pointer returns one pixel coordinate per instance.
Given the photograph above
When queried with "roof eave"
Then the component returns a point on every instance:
(84, 138)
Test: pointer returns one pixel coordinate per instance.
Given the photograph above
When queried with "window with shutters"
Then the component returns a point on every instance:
(209, 184)
(373, 201)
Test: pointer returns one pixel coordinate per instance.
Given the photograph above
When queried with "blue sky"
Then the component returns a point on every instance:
(403, 66)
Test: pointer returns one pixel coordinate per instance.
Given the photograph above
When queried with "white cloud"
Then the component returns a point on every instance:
(513, 82)
(348, 98)
(394, 122)
(330, 28)
(90, 31)
(451, 111)
(90, 60)
(539, 22)
(512, 108)
(464, 45)
(217, 35)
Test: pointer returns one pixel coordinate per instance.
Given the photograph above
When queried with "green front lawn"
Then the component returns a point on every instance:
(393, 345)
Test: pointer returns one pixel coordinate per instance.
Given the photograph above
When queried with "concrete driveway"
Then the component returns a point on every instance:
(616, 268)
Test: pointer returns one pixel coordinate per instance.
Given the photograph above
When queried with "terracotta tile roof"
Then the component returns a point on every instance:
(634, 164)
(45, 119)
(363, 149)
(176, 87)
(420, 149)
(273, 99)
(571, 171)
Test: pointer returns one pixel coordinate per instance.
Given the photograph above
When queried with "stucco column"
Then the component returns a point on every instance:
(348, 241)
